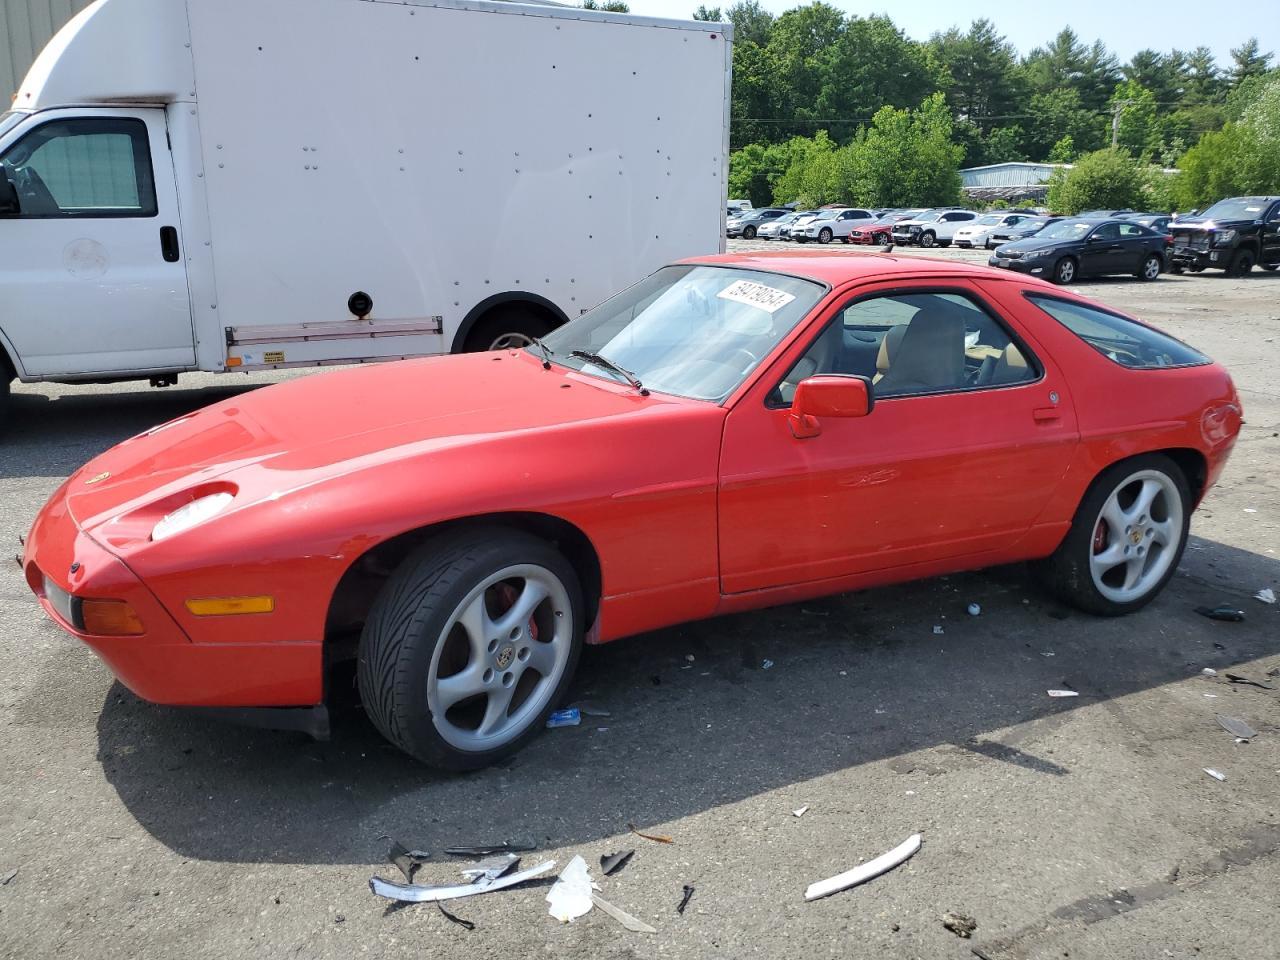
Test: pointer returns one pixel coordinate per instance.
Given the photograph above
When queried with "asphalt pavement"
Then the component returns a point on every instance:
(1080, 827)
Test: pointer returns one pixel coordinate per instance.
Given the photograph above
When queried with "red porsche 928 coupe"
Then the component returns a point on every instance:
(729, 433)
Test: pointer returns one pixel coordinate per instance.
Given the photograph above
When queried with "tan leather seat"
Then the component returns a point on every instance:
(888, 348)
(1011, 367)
(819, 358)
(929, 357)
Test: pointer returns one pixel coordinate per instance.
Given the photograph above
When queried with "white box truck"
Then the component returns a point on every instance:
(231, 185)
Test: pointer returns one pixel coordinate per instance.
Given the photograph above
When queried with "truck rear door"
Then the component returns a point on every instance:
(92, 274)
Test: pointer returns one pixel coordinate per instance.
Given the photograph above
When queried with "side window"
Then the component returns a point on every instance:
(87, 167)
(914, 343)
(1130, 230)
(1117, 338)
(1108, 231)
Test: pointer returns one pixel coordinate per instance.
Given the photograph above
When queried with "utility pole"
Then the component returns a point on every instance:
(1116, 110)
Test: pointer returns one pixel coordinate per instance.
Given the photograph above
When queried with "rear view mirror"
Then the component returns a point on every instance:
(9, 205)
(828, 395)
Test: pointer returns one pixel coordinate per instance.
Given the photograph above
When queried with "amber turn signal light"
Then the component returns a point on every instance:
(230, 606)
(110, 618)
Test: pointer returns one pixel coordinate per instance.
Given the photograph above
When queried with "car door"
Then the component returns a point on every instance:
(90, 261)
(1135, 244)
(1271, 236)
(850, 220)
(971, 431)
(1102, 251)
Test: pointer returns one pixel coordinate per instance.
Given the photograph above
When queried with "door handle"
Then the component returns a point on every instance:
(169, 244)
(1045, 414)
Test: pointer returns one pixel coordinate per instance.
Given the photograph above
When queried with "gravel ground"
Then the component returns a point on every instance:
(1082, 828)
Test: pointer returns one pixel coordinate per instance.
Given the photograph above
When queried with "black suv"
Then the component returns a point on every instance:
(1233, 234)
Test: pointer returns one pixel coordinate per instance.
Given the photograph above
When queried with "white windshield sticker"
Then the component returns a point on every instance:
(756, 295)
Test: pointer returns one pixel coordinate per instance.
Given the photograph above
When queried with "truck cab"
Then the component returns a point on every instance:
(1234, 235)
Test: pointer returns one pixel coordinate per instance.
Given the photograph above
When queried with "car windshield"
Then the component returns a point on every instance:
(1027, 225)
(990, 218)
(828, 214)
(929, 217)
(689, 330)
(786, 218)
(1237, 208)
(1066, 230)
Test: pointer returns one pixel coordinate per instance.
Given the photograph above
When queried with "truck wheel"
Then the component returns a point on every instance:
(505, 329)
(1241, 264)
(1126, 539)
(1064, 271)
(470, 645)
(1150, 269)
(748, 233)
(927, 239)
(1176, 267)
(825, 235)
(1269, 266)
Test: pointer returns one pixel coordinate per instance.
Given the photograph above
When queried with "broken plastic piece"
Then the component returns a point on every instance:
(492, 868)
(1237, 678)
(867, 871)
(801, 812)
(767, 665)
(634, 924)
(959, 924)
(1215, 774)
(589, 709)
(465, 924)
(1266, 595)
(684, 901)
(408, 861)
(1209, 672)
(570, 895)
(1237, 728)
(1063, 693)
(414, 893)
(655, 837)
(564, 718)
(611, 863)
(490, 849)
(937, 628)
(974, 609)
(4, 881)
(1222, 612)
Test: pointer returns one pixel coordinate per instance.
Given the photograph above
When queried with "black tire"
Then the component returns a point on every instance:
(749, 233)
(1241, 263)
(1066, 572)
(1176, 267)
(1269, 266)
(405, 626)
(928, 238)
(5, 400)
(506, 323)
(825, 235)
(1065, 271)
(1145, 270)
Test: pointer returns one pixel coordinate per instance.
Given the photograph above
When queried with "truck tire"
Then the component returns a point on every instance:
(470, 645)
(1241, 263)
(1126, 539)
(928, 238)
(1064, 271)
(506, 328)
(1269, 266)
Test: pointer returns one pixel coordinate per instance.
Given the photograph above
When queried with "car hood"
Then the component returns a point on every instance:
(1028, 244)
(1203, 223)
(305, 430)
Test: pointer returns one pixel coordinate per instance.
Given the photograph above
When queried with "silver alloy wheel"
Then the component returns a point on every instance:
(1151, 269)
(926, 239)
(505, 649)
(511, 341)
(1066, 271)
(1136, 536)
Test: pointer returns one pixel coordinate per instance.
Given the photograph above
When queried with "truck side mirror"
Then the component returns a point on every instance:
(9, 205)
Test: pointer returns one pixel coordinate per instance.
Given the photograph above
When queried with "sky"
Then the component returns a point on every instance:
(1124, 27)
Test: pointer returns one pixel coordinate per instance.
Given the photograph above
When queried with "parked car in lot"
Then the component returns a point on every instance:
(1076, 247)
(977, 233)
(802, 218)
(226, 558)
(772, 229)
(735, 207)
(1103, 214)
(937, 227)
(1233, 234)
(1020, 231)
(1159, 222)
(832, 225)
(748, 224)
(880, 230)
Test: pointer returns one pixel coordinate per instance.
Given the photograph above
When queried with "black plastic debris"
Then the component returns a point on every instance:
(1237, 728)
(611, 863)
(491, 868)
(406, 860)
(4, 881)
(1223, 612)
(959, 924)
(1248, 681)
(489, 849)
(452, 918)
(684, 901)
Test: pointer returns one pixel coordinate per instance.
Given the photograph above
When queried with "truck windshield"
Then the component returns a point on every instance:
(688, 330)
(1237, 208)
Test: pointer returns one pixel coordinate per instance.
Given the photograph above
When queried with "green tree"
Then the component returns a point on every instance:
(1203, 81)
(1064, 151)
(608, 6)
(751, 22)
(906, 158)
(980, 63)
(708, 14)
(1060, 113)
(1248, 61)
(1138, 130)
(1104, 178)
(1241, 158)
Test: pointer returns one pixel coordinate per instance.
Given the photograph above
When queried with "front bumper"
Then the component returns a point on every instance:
(1037, 266)
(163, 664)
(1199, 259)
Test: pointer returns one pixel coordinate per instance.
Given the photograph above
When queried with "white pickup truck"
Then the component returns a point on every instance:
(232, 185)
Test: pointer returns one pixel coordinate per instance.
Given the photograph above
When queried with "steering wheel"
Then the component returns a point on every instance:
(752, 359)
(32, 192)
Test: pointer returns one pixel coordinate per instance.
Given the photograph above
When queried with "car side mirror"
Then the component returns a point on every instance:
(1094, 239)
(828, 395)
(9, 205)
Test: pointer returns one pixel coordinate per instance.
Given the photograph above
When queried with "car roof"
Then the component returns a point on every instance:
(835, 269)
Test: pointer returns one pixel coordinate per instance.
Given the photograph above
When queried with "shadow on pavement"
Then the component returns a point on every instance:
(702, 716)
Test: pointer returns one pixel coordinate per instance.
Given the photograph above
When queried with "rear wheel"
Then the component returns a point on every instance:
(1150, 269)
(506, 328)
(1126, 540)
(470, 645)
(1064, 271)
(1241, 264)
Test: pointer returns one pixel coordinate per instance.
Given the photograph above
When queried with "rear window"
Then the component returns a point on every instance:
(1119, 339)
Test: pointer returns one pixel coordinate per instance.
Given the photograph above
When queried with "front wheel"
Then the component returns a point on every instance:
(824, 235)
(749, 233)
(470, 646)
(927, 239)
(1150, 269)
(1126, 540)
(1241, 264)
(1064, 272)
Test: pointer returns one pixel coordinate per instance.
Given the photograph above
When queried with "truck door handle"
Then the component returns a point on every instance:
(169, 244)
(1045, 414)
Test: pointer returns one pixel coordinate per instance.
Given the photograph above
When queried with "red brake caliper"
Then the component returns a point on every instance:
(508, 595)
(1100, 537)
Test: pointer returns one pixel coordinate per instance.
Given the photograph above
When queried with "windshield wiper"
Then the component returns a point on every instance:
(608, 364)
(546, 352)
